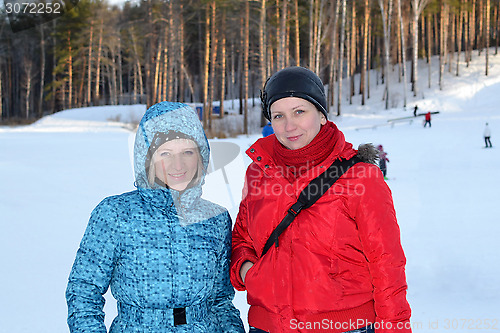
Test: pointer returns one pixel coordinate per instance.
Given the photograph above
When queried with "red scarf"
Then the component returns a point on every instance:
(296, 162)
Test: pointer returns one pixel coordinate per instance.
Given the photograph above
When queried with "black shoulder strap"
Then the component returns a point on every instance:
(309, 195)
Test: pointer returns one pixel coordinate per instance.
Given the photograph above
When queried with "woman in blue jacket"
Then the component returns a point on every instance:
(162, 249)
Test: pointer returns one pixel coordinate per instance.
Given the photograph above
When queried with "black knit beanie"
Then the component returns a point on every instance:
(293, 82)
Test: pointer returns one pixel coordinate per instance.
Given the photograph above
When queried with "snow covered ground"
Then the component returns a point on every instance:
(445, 187)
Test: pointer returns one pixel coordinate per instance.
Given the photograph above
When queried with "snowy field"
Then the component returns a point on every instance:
(444, 183)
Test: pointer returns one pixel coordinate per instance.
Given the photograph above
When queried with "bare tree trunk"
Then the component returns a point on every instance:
(311, 33)
(172, 41)
(386, 23)
(223, 65)
(166, 56)
(165, 46)
(362, 81)
(451, 41)
(282, 34)
(397, 51)
(108, 70)
(53, 76)
(138, 82)
(472, 24)
(246, 53)
(232, 86)
(120, 71)
(114, 80)
(134, 71)
(341, 58)
(443, 41)
(497, 29)
(28, 69)
(441, 44)
(487, 36)
(63, 95)
(318, 29)
(213, 62)
(98, 65)
(352, 51)
(403, 50)
(182, 55)
(278, 34)
(156, 78)
(334, 55)
(287, 42)
(148, 52)
(459, 35)
(466, 34)
(70, 72)
(262, 51)
(348, 51)
(480, 33)
(240, 66)
(206, 64)
(430, 33)
(368, 83)
(42, 74)
(80, 96)
(417, 6)
(89, 69)
(262, 43)
(297, 33)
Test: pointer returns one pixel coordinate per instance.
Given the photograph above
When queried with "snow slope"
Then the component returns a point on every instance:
(54, 172)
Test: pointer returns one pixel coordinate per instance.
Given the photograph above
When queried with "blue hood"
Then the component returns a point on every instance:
(164, 117)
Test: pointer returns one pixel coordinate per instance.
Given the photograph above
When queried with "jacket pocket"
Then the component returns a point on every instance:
(260, 284)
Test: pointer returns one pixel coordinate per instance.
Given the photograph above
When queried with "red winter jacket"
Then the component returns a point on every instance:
(339, 264)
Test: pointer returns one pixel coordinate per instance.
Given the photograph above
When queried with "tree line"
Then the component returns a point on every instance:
(213, 50)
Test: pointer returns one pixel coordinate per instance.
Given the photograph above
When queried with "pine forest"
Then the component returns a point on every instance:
(214, 50)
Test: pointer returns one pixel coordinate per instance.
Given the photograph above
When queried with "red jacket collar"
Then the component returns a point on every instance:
(261, 153)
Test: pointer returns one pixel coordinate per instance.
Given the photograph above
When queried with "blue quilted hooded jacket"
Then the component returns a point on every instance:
(164, 253)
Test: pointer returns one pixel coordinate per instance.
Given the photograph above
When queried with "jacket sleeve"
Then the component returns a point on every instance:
(242, 248)
(91, 273)
(380, 237)
(223, 310)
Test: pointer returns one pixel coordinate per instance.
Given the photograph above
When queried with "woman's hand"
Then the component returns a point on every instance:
(244, 269)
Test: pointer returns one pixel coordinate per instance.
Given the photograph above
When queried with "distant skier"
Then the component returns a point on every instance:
(415, 111)
(487, 135)
(382, 160)
(267, 130)
(428, 119)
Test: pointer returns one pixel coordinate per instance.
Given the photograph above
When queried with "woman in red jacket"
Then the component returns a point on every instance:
(339, 266)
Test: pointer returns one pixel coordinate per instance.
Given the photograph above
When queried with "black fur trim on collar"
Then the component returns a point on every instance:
(368, 153)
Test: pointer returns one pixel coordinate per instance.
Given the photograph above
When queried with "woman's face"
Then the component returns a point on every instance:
(295, 121)
(176, 163)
